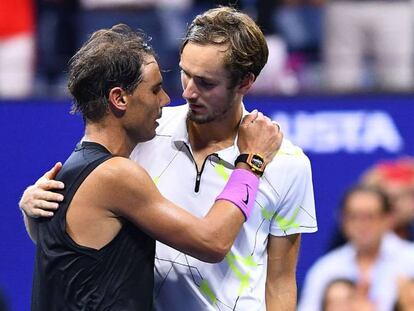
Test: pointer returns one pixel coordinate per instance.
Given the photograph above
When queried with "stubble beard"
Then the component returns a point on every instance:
(203, 119)
(216, 115)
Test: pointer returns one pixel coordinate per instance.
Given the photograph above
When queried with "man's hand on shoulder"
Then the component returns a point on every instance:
(38, 200)
(258, 134)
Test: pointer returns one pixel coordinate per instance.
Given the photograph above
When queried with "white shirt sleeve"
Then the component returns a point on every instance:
(296, 211)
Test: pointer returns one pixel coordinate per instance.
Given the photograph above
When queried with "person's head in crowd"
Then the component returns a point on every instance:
(396, 178)
(405, 299)
(344, 294)
(338, 295)
(365, 213)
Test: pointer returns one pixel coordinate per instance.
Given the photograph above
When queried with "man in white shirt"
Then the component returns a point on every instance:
(191, 158)
(373, 255)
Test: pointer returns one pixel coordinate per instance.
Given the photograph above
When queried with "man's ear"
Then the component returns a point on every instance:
(246, 83)
(117, 99)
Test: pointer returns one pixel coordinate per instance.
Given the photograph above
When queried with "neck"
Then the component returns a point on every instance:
(368, 255)
(111, 137)
(220, 133)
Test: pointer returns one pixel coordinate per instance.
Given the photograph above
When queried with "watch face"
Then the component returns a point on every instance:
(254, 160)
(257, 161)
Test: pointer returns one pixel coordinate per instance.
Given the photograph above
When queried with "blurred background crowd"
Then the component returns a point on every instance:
(315, 45)
(370, 264)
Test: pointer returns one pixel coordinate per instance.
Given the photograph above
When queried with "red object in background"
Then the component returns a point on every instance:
(16, 16)
(401, 171)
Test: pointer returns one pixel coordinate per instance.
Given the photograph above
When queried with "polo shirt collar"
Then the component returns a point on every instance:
(180, 133)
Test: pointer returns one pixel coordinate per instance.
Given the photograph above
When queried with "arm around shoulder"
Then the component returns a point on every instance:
(38, 200)
(131, 193)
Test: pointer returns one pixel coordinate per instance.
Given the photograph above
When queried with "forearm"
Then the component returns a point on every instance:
(217, 231)
(281, 289)
(282, 294)
(232, 207)
(208, 238)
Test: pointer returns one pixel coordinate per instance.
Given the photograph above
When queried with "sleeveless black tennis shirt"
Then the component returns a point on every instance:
(68, 276)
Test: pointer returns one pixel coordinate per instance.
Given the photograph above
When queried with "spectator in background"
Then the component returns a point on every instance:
(16, 48)
(405, 300)
(63, 25)
(382, 29)
(199, 6)
(138, 14)
(346, 295)
(174, 15)
(396, 178)
(373, 257)
(298, 22)
(293, 31)
(56, 43)
(338, 295)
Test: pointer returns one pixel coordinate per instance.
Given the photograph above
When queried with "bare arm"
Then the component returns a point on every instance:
(38, 201)
(137, 199)
(281, 289)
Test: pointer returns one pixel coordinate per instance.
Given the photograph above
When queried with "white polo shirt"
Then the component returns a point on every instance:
(284, 206)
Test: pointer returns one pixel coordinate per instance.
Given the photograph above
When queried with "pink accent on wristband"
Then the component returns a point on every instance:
(241, 190)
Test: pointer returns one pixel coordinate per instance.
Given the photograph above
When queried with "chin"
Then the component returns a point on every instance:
(200, 118)
(149, 136)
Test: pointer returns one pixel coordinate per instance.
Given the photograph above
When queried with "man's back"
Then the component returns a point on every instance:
(69, 276)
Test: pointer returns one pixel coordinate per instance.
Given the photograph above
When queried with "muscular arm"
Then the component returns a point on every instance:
(136, 198)
(281, 289)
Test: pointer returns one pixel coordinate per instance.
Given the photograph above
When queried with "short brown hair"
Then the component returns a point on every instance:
(384, 200)
(110, 58)
(247, 48)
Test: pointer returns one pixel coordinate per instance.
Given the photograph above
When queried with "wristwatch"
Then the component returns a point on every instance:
(254, 160)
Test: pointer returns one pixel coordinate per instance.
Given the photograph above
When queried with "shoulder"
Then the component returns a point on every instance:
(395, 245)
(292, 155)
(118, 170)
(121, 186)
(290, 164)
(121, 180)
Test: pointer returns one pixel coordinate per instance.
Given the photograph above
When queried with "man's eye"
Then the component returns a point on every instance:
(206, 84)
